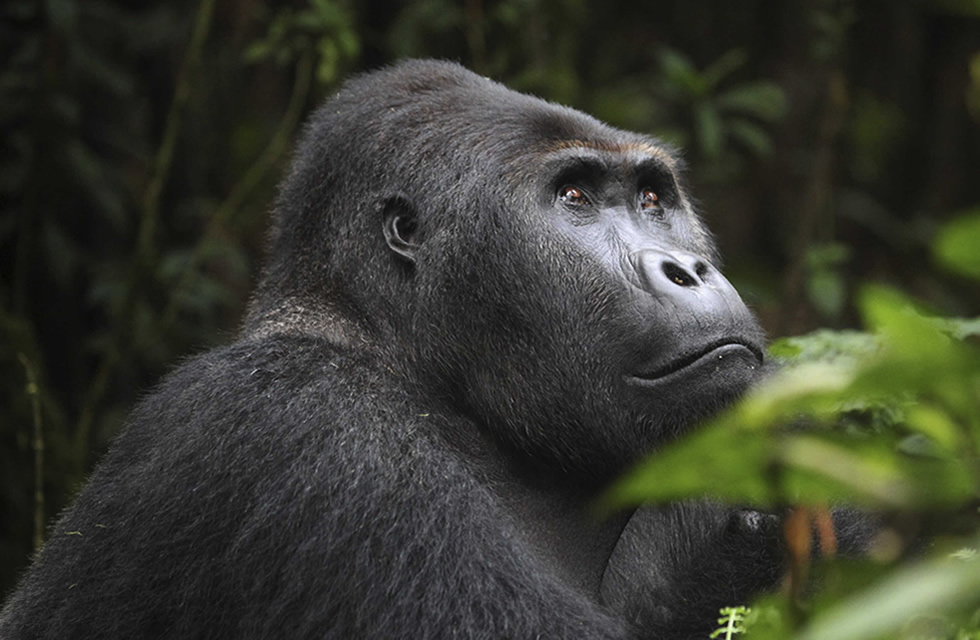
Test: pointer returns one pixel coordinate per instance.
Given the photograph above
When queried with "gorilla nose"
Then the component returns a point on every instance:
(662, 271)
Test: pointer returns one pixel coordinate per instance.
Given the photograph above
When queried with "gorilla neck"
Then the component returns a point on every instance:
(552, 511)
(299, 316)
(560, 524)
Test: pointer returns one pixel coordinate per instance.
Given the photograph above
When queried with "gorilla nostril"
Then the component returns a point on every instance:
(676, 274)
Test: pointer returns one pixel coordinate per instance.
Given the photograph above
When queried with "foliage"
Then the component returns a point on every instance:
(732, 622)
(720, 113)
(324, 29)
(957, 246)
(888, 421)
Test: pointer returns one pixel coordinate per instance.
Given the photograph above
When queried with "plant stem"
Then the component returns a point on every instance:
(33, 392)
(238, 194)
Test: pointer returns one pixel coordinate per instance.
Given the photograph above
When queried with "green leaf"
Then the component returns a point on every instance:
(681, 73)
(723, 462)
(752, 136)
(349, 43)
(708, 129)
(785, 349)
(882, 610)
(733, 458)
(257, 51)
(843, 348)
(931, 421)
(901, 326)
(764, 100)
(961, 328)
(723, 67)
(827, 468)
(957, 247)
(329, 59)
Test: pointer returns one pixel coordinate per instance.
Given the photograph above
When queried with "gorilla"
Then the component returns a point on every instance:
(479, 308)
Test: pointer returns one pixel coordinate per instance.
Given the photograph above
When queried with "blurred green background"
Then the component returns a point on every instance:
(141, 142)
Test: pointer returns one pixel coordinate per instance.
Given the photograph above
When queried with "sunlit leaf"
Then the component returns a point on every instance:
(718, 461)
(961, 328)
(934, 423)
(812, 387)
(930, 588)
(873, 471)
(823, 345)
(902, 327)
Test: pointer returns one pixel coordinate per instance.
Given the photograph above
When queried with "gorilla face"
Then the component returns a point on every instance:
(595, 324)
(684, 327)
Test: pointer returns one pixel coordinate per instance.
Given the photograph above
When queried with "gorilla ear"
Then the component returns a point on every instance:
(400, 226)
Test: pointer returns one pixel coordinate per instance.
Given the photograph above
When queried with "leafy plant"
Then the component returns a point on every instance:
(323, 30)
(956, 245)
(718, 112)
(732, 623)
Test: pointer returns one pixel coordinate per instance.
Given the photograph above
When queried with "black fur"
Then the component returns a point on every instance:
(443, 365)
(695, 557)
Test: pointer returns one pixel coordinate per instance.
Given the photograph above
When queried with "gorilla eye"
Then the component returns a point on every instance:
(573, 196)
(649, 201)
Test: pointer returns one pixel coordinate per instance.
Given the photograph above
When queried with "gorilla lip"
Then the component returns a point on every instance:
(714, 351)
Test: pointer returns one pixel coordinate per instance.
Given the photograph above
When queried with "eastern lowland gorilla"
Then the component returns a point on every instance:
(479, 309)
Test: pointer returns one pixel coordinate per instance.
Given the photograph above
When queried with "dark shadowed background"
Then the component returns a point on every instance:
(141, 142)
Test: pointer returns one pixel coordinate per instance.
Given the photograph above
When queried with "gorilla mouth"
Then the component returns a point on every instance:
(713, 352)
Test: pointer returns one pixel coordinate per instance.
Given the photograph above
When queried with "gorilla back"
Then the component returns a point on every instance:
(479, 308)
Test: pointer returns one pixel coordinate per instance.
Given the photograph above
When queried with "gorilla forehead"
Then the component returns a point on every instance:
(439, 113)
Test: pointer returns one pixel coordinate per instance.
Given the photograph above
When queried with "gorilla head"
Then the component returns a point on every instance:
(531, 266)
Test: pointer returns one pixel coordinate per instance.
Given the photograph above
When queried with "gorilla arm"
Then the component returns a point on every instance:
(676, 565)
